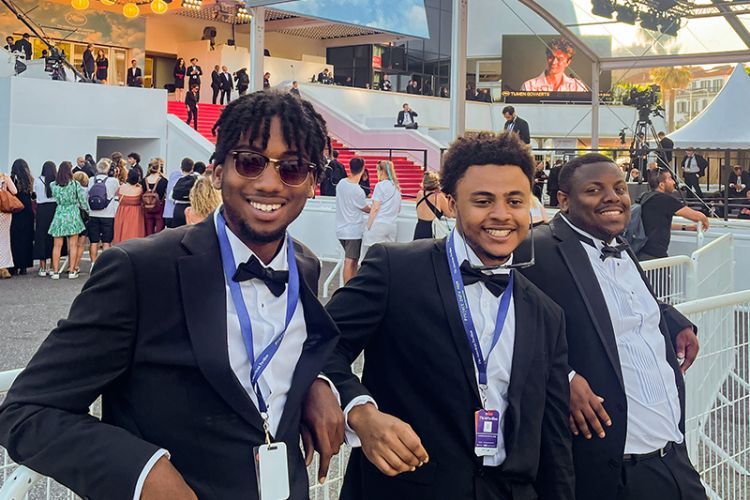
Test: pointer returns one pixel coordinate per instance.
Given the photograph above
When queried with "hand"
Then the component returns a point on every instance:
(586, 409)
(322, 426)
(704, 223)
(686, 345)
(165, 483)
(389, 443)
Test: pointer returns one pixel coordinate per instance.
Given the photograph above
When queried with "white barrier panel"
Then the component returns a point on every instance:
(714, 267)
(717, 419)
(669, 277)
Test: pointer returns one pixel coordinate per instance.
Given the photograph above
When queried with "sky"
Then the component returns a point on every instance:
(406, 17)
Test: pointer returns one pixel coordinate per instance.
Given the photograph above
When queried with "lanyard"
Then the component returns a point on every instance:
(463, 308)
(259, 364)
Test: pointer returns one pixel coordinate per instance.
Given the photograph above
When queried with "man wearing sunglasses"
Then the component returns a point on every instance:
(464, 389)
(195, 394)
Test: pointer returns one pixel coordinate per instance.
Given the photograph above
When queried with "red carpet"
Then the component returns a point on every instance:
(409, 174)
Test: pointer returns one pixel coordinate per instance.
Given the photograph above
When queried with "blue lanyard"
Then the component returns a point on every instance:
(259, 364)
(463, 309)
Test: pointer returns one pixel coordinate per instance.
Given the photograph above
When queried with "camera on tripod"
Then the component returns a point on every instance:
(646, 101)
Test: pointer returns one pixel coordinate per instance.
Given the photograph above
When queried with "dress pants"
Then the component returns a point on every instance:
(692, 181)
(225, 93)
(193, 115)
(215, 95)
(154, 222)
(671, 477)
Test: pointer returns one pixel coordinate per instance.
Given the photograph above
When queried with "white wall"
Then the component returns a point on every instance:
(294, 47)
(147, 148)
(183, 142)
(166, 34)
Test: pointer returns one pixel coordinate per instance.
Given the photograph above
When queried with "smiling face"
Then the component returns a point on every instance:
(598, 201)
(259, 210)
(492, 205)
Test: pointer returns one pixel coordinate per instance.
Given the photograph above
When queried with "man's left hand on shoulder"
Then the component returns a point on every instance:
(686, 347)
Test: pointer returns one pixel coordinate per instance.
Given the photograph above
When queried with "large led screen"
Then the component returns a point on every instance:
(550, 68)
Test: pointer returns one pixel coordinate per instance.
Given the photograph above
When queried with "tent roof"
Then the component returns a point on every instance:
(724, 123)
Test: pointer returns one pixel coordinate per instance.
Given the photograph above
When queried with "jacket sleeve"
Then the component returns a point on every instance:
(400, 119)
(676, 322)
(358, 310)
(45, 422)
(556, 478)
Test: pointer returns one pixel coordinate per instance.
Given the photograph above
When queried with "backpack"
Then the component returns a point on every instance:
(635, 232)
(98, 194)
(150, 199)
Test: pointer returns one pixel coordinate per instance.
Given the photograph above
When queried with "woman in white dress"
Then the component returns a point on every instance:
(386, 204)
(6, 256)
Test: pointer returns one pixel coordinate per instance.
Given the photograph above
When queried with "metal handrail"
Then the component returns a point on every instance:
(676, 260)
(390, 152)
(701, 305)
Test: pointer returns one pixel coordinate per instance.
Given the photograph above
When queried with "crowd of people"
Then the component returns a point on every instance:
(496, 366)
(102, 203)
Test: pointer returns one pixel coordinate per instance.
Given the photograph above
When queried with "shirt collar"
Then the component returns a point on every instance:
(242, 253)
(464, 252)
(597, 242)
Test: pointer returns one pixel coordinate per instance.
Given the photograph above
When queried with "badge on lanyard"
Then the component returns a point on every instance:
(271, 463)
(272, 470)
(486, 422)
(486, 428)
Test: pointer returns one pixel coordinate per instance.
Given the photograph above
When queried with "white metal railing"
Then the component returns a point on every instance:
(669, 277)
(718, 395)
(714, 267)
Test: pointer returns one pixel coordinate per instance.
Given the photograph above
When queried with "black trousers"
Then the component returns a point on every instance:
(671, 477)
(225, 92)
(552, 197)
(193, 115)
(215, 96)
(693, 182)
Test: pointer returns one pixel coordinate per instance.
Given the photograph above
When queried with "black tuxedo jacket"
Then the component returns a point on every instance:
(668, 145)
(191, 100)
(401, 310)
(563, 271)
(148, 333)
(521, 127)
(226, 81)
(133, 74)
(400, 118)
(702, 163)
(215, 80)
(194, 78)
(89, 64)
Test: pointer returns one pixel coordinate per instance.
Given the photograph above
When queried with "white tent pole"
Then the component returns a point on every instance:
(595, 105)
(257, 44)
(458, 69)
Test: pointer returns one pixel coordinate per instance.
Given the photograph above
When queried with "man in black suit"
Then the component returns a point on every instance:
(227, 84)
(627, 394)
(406, 118)
(553, 185)
(134, 75)
(10, 44)
(516, 124)
(693, 168)
(332, 175)
(185, 393)
(24, 45)
(194, 73)
(89, 64)
(427, 436)
(216, 84)
(191, 103)
(668, 146)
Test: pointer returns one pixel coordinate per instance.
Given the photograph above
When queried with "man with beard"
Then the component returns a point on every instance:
(627, 351)
(194, 392)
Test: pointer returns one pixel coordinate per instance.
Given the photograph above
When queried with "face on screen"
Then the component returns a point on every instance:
(557, 62)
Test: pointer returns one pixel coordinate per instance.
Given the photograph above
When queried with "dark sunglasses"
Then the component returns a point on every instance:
(293, 172)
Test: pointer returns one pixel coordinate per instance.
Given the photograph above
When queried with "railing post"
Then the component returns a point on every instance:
(425, 160)
(390, 155)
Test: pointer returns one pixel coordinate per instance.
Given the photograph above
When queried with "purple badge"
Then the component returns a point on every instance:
(486, 425)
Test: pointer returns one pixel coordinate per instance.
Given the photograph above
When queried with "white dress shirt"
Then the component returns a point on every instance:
(41, 192)
(540, 84)
(267, 316)
(653, 402)
(691, 165)
(483, 306)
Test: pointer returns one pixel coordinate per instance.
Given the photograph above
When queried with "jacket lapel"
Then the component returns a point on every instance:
(523, 352)
(207, 325)
(322, 336)
(577, 261)
(450, 306)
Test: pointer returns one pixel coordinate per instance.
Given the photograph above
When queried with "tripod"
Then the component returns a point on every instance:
(644, 129)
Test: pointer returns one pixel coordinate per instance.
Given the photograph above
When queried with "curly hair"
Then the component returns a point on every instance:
(486, 148)
(82, 178)
(562, 45)
(303, 128)
(204, 199)
(565, 178)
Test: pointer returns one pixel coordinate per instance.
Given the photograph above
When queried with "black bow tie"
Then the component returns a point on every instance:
(252, 269)
(608, 250)
(495, 283)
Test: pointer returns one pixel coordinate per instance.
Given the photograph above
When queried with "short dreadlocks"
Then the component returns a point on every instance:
(303, 127)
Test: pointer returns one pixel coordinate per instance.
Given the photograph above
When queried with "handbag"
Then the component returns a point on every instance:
(9, 203)
(441, 227)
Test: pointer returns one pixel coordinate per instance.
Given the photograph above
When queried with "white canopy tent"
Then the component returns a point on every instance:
(724, 123)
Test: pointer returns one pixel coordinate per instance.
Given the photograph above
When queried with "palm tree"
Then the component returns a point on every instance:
(670, 79)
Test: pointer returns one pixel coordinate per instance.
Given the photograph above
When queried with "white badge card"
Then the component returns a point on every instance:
(272, 469)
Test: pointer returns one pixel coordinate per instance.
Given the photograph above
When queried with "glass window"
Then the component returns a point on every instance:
(117, 72)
